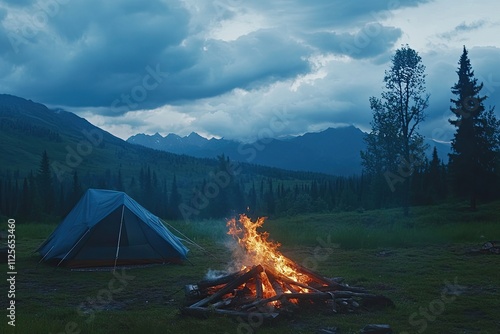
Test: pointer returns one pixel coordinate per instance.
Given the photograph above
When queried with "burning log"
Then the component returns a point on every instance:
(272, 284)
(291, 281)
(258, 286)
(230, 286)
(219, 280)
(203, 311)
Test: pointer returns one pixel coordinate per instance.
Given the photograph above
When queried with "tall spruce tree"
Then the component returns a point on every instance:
(394, 145)
(174, 201)
(436, 178)
(45, 185)
(476, 144)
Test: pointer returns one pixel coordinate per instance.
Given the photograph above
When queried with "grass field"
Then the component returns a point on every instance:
(423, 263)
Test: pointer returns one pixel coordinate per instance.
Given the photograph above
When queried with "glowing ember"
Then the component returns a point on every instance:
(259, 250)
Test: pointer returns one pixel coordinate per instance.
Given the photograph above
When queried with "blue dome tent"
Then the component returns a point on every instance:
(108, 228)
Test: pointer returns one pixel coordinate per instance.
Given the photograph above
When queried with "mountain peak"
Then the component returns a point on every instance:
(194, 135)
(195, 139)
(172, 136)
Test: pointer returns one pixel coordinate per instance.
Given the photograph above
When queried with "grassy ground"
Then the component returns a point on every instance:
(422, 263)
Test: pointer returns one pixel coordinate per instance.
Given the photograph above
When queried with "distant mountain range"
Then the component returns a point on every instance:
(334, 151)
(27, 129)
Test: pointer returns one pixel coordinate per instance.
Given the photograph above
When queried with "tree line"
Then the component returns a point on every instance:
(395, 148)
(40, 197)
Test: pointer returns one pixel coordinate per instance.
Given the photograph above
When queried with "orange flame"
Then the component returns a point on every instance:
(261, 251)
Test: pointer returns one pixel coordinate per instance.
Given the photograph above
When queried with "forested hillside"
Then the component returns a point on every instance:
(50, 157)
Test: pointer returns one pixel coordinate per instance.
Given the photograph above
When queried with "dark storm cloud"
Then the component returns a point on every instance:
(331, 13)
(101, 51)
(89, 51)
(255, 59)
(132, 54)
(370, 41)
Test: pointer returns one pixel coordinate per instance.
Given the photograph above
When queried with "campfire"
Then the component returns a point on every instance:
(269, 283)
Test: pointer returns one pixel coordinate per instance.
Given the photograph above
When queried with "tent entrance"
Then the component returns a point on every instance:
(130, 239)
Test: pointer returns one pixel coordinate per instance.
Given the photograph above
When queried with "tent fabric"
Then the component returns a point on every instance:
(106, 223)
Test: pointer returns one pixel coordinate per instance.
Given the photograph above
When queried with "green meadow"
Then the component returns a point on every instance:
(425, 263)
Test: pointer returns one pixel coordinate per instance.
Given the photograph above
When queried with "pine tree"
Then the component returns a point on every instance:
(252, 199)
(175, 201)
(436, 179)
(476, 143)
(35, 199)
(25, 205)
(75, 194)
(45, 185)
(119, 181)
(269, 198)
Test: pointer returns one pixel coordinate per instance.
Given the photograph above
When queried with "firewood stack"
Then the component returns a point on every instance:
(243, 293)
(270, 284)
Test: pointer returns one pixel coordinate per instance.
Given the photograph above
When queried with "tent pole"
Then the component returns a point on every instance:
(119, 238)
(73, 246)
(51, 248)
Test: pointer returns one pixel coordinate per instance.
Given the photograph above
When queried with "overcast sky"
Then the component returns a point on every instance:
(238, 69)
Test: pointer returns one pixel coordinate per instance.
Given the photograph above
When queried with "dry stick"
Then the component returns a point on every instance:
(318, 277)
(307, 295)
(203, 311)
(261, 302)
(274, 283)
(329, 282)
(220, 280)
(222, 303)
(291, 281)
(289, 287)
(299, 295)
(278, 289)
(230, 286)
(334, 302)
(350, 294)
